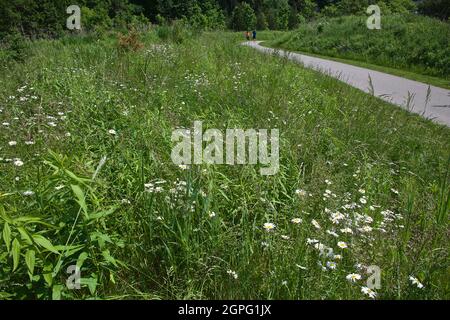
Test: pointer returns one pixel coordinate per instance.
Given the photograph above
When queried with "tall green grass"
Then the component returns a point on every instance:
(408, 42)
(141, 227)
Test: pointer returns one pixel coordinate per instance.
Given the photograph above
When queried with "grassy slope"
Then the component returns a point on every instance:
(172, 247)
(413, 47)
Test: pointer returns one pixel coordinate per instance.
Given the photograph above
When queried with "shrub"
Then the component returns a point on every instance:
(129, 42)
(15, 47)
(243, 17)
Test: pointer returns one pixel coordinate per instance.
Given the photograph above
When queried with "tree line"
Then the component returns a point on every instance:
(47, 17)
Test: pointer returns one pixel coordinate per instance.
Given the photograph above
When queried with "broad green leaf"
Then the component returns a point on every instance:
(91, 283)
(107, 255)
(102, 214)
(43, 242)
(25, 235)
(4, 216)
(56, 292)
(30, 259)
(48, 277)
(81, 259)
(15, 253)
(81, 199)
(7, 235)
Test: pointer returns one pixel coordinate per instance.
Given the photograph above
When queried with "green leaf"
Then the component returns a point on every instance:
(57, 268)
(7, 235)
(91, 283)
(81, 259)
(44, 242)
(56, 292)
(30, 259)
(25, 235)
(107, 255)
(48, 276)
(69, 250)
(76, 178)
(4, 216)
(102, 214)
(81, 199)
(15, 253)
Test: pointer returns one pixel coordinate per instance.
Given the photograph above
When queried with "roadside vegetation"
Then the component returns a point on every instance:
(87, 178)
(413, 46)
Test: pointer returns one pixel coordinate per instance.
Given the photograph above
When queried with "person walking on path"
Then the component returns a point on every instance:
(254, 35)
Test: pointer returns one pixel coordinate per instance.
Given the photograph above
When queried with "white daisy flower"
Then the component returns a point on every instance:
(311, 241)
(332, 233)
(316, 224)
(346, 230)
(342, 245)
(233, 274)
(372, 294)
(353, 277)
(331, 265)
(366, 229)
(296, 221)
(269, 226)
(416, 282)
(300, 192)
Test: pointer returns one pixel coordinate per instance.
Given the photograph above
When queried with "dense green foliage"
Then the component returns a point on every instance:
(435, 8)
(37, 18)
(87, 178)
(243, 17)
(409, 42)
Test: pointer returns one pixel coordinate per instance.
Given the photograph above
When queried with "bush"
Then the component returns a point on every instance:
(435, 8)
(261, 21)
(130, 42)
(243, 17)
(15, 47)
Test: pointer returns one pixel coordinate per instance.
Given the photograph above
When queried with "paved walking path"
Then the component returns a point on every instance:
(390, 88)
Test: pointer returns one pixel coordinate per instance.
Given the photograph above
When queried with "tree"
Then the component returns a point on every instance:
(261, 21)
(435, 8)
(243, 17)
